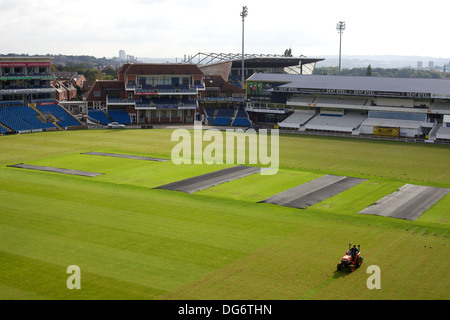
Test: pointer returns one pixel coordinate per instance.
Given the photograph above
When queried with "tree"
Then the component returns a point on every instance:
(288, 53)
(369, 71)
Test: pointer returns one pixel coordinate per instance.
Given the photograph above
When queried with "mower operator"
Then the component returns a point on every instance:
(354, 251)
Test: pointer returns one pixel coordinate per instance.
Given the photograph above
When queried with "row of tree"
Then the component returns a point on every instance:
(88, 70)
(378, 72)
(382, 72)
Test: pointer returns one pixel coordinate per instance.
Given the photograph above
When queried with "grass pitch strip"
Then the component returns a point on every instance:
(409, 202)
(126, 156)
(208, 180)
(57, 170)
(312, 192)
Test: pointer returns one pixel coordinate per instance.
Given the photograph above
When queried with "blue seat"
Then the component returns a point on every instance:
(65, 119)
(241, 122)
(221, 121)
(99, 116)
(120, 116)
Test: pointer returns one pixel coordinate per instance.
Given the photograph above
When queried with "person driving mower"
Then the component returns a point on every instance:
(354, 251)
(352, 258)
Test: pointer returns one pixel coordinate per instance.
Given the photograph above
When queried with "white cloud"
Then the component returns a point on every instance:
(169, 28)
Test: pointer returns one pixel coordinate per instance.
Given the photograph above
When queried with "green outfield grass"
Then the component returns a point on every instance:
(135, 242)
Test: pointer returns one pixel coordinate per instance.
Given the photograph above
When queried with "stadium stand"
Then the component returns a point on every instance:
(120, 116)
(336, 123)
(165, 88)
(241, 119)
(22, 119)
(219, 121)
(409, 124)
(398, 115)
(30, 115)
(209, 112)
(303, 99)
(99, 116)
(3, 130)
(65, 119)
(223, 117)
(188, 102)
(13, 121)
(341, 100)
(297, 119)
(443, 133)
(235, 80)
(440, 105)
(166, 102)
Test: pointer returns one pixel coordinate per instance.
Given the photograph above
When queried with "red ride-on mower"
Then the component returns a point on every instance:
(352, 259)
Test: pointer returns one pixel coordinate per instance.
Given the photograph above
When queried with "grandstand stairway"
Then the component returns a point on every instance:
(42, 117)
(63, 117)
(4, 129)
(240, 119)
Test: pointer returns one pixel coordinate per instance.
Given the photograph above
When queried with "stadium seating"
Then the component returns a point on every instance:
(209, 112)
(99, 116)
(189, 102)
(443, 133)
(186, 89)
(165, 88)
(236, 81)
(241, 119)
(22, 118)
(341, 101)
(297, 119)
(440, 105)
(407, 128)
(166, 102)
(223, 117)
(65, 119)
(225, 113)
(304, 99)
(3, 130)
(398, 115)
(344, 123)
(13, 121)
(31, 116)
(241, 122)
(221, 121)
(120, 116)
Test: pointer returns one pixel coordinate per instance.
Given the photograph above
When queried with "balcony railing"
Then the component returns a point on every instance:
(182, 105)
(119, 101)
(139, 89)
(19, 90)
(21, 76)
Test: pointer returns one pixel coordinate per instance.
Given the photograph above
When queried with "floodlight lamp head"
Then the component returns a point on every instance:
(244, 12)
(340, 26)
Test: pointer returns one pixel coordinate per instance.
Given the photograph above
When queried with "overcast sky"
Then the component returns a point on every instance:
(174, 28)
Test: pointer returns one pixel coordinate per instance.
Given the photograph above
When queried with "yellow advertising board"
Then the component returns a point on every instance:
(386, 131)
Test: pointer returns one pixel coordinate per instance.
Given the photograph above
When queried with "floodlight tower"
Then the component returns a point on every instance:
(244, 14)
(340, 28)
